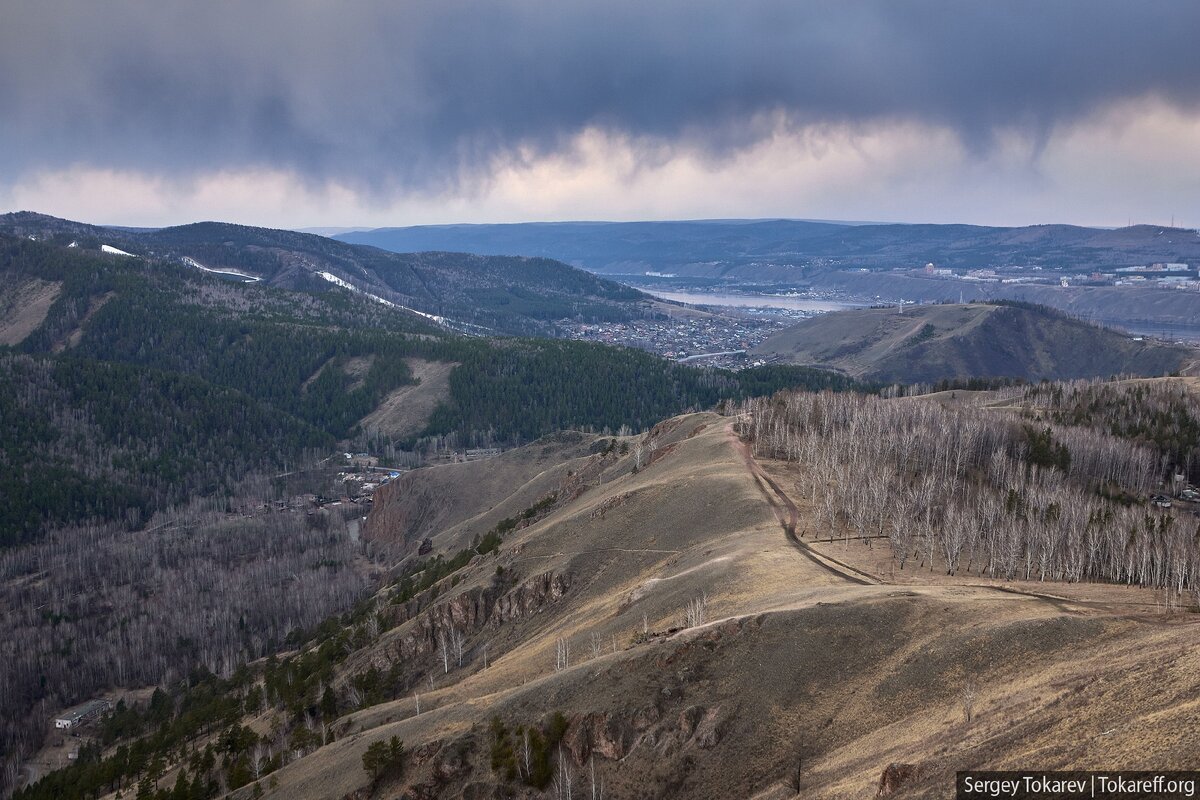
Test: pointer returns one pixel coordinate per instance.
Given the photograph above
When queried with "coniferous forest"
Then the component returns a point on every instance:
(147, 383)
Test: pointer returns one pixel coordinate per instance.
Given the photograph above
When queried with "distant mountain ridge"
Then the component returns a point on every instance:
(979, 340)
(479, 294)
(771, 249)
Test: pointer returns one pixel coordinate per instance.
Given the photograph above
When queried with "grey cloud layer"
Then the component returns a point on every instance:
(387, 94)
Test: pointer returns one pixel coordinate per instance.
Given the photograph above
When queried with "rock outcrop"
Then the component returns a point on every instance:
(895, 776)
(474, 609)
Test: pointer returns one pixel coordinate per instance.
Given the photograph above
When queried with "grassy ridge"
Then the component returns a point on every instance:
(992, 340)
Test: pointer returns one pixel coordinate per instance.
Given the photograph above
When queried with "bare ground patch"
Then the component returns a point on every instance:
(23, 306)
(406, 410)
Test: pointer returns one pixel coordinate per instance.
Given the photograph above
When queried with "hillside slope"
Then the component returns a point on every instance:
(802, 674)
(312, 368)
(472, 293)
(662, 614)
(936, 342)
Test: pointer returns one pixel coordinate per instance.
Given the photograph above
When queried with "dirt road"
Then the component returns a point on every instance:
(789, 516)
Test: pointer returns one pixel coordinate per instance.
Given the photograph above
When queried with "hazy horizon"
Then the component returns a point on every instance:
(335, 230)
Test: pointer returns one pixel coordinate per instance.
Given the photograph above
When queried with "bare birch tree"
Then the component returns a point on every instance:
(562, 654)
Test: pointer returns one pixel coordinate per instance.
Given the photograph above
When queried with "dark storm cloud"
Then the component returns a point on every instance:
(387, 94)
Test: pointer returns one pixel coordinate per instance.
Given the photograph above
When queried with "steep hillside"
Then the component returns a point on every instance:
(666, 616)
(472, 293)
(24, 303)
(405, 412)
(464, 500)
(103, 441)
(936, 342)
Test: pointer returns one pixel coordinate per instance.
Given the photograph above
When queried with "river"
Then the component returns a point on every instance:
(753, 300)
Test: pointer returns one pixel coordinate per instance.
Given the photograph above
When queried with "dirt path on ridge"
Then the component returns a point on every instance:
(789, 516)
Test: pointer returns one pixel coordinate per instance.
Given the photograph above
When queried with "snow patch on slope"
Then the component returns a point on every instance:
(191, 262)
(334, 279)
(106, 248)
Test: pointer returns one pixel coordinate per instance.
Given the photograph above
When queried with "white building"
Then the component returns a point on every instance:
(81, 714)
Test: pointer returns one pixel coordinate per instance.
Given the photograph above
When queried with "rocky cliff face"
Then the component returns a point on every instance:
(470, 611)
(406, 510)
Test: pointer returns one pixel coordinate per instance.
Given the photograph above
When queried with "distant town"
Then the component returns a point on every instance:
(1159, 275)
(722, 340)
(740, 315)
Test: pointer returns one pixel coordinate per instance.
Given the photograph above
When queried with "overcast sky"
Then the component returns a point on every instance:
(379, 112)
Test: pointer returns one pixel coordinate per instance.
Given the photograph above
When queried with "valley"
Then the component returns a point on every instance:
(344, 550)
(165, 429)
(1141, 277)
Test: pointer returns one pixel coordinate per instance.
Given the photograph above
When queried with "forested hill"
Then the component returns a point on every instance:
(118, 363)
(473, 293)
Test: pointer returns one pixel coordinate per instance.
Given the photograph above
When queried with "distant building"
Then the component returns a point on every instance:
(1159, 267)
(81, 714)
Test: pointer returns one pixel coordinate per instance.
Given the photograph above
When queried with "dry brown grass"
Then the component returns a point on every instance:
(406, 411)
(24, 303)
(799, 666)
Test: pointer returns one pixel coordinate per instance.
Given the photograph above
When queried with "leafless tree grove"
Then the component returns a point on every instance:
(93, 608)
(563, 779)
(957, 489)
(694, 611)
